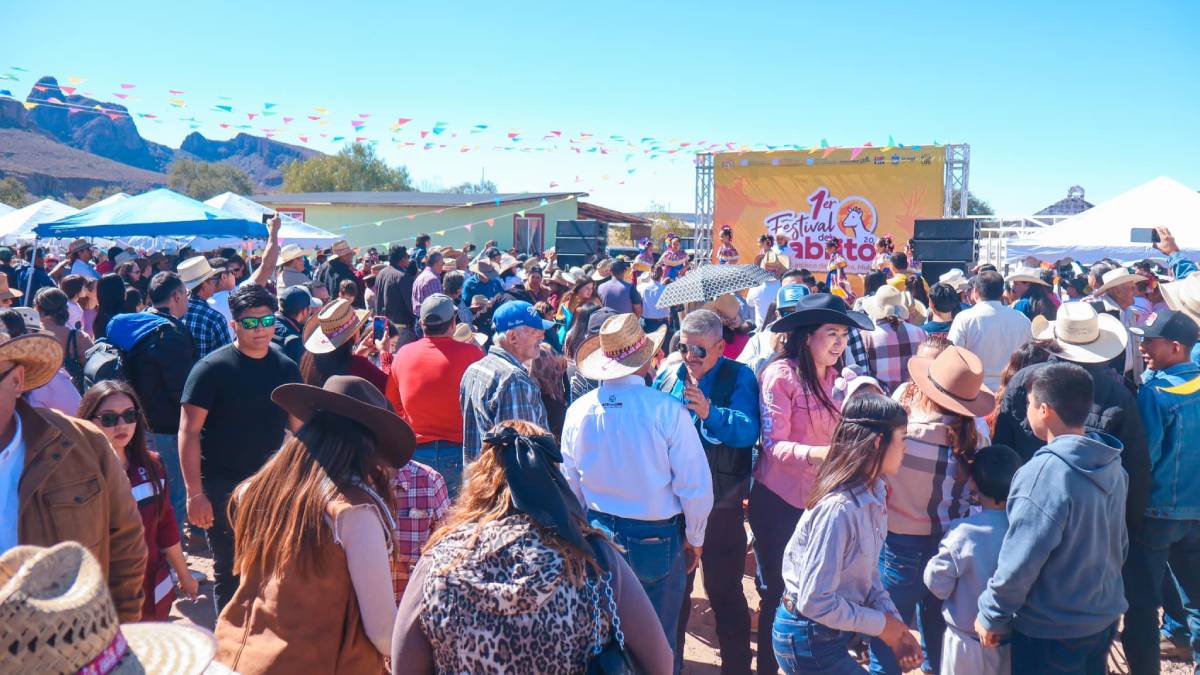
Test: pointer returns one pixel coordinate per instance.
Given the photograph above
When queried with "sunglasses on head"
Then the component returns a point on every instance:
(112, 419)
(252, 322)
(696, 350)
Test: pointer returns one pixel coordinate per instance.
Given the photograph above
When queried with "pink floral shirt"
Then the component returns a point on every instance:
(793, 422)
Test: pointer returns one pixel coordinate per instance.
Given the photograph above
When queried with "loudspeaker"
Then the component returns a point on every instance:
(578, 242)
(582, 229)
(944, 249)
(572, 246)
(932, 269)
(945, 228)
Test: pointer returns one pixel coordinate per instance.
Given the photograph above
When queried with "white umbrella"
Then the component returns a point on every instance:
(18, 226)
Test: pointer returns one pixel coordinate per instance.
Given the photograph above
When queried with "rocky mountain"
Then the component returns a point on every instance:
(60, 143)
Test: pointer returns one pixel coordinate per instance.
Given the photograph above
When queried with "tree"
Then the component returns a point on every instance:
(975, 206)
(205, 180)
(14, 194)
(356, 168)
(663, 223)
(483, 187)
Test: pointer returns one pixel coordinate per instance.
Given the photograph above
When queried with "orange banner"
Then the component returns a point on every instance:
(855, 195)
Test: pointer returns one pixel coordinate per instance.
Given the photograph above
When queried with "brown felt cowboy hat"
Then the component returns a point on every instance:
(6, 292)
(621, 348)
(356, 399)
(953, 380)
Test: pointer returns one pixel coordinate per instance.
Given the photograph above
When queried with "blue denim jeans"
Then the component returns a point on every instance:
(1160, 542)
(772, 520)
(805, 646)
(1078, 656)
(654, 549)
(167, 447)
(1174, 623)
(902, 568)
(446, 458)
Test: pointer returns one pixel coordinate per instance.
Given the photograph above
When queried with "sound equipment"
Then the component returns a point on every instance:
(945, 228)
(942, 244)
(931, 270)
(578, 242)
(944, 249)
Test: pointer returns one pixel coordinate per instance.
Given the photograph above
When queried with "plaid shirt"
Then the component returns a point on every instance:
(888, 350)
(421, 503)
(495, 389)
(856, 352)
(208, 328)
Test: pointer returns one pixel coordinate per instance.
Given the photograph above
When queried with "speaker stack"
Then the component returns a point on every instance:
(578, 242)
(943, 244)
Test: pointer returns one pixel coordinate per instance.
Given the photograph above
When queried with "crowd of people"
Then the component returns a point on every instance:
(465, 460)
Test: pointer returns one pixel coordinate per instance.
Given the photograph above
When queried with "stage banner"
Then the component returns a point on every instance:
(856, 195)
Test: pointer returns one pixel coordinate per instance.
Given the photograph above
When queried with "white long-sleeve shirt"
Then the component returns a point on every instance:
(632, 451)
(993, 332)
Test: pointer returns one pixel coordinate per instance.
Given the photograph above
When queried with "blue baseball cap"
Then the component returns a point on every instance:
(789, 296)
(518, 313)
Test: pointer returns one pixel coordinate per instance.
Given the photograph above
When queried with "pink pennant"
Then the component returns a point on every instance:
(303, 139)
(411, 216)
(39, 87)
(359, 139)
(251, 116)
(224, 125)
(114, 116)
(128, 86)
(855, 153)
(121, 96)
(288, 120)
(54, 99)
(364, 115)
(491, 221)
(150, 116)
(402, 121)
(175, 92)
(68, 90)
(468, 226)
(72, 111)
(314, 117)
(424, 134)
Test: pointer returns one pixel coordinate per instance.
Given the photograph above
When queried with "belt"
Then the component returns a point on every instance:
(673, 520)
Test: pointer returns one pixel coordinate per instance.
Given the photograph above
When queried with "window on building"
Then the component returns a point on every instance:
(529, 233)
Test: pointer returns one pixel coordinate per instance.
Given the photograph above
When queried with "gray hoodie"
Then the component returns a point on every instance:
(1059, 574)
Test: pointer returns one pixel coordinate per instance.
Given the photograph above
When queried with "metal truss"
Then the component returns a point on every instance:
(958, 165)
(703, 227)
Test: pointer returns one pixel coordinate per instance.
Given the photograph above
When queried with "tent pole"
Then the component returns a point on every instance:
(32, 271)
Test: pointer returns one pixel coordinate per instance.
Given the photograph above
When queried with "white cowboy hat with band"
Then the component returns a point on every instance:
(1183, 296)
(955, 279)
(337, 323)
(1115, 278)
(621, 348)
(1084, 335)
(289, 253)
(886, 303)
(196, 270)
(1028, 275)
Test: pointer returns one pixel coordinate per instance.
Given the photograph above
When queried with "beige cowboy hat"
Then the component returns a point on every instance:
(530, 264)
(290, 253)
(1038, 325)
(1182, 296)
(621, 348)
(955, 279)
(337, 323)
(341, 248)
(727, 307)
(6, 292)
(464, 333)
(886, 303)
(775, 262)
(507, 262)
(478, 302)
(78, 245)
(450, 253)
(484, 268)
(40, 353)
(196, 270)
(56, 616)
(603, 270)
(953, 380)
(449, 265)
(561, 278)
(1117, 277)
(1029, 275)
(1084, 335)
(356, 399)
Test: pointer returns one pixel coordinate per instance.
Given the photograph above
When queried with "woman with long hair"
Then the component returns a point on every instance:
(831, 563)
(110, 301)
(798, 419)
(313, 536)
(516, 581)
(51, 306)
(932, 489)
(131, 273)
(582, 293)
(113, 406)
(338, 346)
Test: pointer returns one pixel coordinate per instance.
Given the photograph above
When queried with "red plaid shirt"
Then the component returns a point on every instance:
(421, 503)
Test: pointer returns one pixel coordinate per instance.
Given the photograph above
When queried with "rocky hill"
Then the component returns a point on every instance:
(61, 147)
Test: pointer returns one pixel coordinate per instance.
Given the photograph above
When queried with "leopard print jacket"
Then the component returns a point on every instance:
(505, 606)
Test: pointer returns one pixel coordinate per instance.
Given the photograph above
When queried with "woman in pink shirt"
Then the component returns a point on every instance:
(798, 418)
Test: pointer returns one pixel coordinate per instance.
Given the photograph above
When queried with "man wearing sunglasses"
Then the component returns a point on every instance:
(229, 426)
(722, 396)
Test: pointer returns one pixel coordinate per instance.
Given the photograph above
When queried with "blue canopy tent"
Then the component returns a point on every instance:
(158, 213)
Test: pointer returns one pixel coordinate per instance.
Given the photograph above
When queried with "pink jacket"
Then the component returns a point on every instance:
(793, 422)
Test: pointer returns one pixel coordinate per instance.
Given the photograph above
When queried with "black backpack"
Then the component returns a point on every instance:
(102, 362)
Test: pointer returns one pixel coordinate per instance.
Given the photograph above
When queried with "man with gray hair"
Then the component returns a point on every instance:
(722, 396)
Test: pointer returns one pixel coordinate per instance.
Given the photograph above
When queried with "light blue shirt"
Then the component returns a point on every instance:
(12, 463)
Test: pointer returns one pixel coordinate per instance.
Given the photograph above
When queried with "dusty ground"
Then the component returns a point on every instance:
(701, 655)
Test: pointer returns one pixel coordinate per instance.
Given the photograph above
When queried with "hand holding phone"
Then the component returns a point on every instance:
(379, 327)
(1143, 235)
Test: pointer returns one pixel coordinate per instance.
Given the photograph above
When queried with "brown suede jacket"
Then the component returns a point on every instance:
(73, 488)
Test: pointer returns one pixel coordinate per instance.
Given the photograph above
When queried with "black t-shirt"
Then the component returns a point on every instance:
(244, 426)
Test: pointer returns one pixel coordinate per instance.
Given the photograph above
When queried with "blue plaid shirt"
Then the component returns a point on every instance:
(208, 328)
(495, 389)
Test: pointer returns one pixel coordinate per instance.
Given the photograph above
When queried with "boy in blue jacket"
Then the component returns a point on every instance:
(1057, 588)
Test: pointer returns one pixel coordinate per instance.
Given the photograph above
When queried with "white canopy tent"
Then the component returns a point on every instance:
(17, 226)
(1103, 230)
(5, 209)
(291, 230)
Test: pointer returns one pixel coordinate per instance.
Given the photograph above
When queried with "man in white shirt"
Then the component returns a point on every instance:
(634, 459)
(762, 295)
(651, 288)
(990, 329)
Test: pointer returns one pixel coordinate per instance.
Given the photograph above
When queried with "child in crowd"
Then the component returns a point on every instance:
(832, 588)
(1057, 590)
(966, 560)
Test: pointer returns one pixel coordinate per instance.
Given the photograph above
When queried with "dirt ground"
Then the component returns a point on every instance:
(701, 655)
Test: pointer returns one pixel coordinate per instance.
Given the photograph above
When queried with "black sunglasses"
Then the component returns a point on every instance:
(109, 420)
(696, 350)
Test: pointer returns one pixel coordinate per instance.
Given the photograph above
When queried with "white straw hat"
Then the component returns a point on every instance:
(1084, 335)
(1115, 278)
(621, 348)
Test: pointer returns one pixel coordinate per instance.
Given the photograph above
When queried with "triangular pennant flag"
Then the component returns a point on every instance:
(268, 106)
(128, 86)
(69, 90)
(288, 120)
(543, 202)
(491, 222)
(440, 233)
(855, 153)
(176, 92)
(250, 116)
(468, 226)
(74, 79)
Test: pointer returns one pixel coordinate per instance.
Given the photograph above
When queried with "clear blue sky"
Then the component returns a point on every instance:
(1048, 94)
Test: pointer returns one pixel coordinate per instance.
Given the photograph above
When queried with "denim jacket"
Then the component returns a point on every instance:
(1170, 406)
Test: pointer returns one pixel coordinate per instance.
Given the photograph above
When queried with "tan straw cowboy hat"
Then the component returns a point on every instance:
(775, 262)
(1084, 335)
(290, 253)
(561, 278)
(7, 293)
(953, 380)
(196, 270)
(56, 616)
(40, 353)
(603, 270)
(464, 333)
(356, 399)
(484, 268)
(341, 248)
(78, 245)
(1181, 296)
(337, 323)
(726, 307)
(886, 303)
(1027, 274)
(621, 348)
(1117, 277)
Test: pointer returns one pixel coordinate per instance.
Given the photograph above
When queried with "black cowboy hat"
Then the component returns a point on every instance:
(356, 399)
(821, 308)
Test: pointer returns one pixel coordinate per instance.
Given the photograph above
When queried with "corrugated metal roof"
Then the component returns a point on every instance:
(409, 198)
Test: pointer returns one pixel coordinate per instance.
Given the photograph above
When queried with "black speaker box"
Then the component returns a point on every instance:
(582, 229)
(945, 228)
(932, 269)
(944, 249)
(573, 246)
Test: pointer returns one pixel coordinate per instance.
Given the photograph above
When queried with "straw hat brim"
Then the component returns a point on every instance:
(288, 257)
(878, 311)
(1127, 278)
(1109, 345)
(593, 364)
(319, 342)
(983, 404)
(1173, 294)
(170, 647)
(39, 353)
(1027, 278)
(394, 438)
(192, 284)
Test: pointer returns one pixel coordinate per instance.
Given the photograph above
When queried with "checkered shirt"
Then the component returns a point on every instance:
(208, 328)
(421, 503)
(496, 389)
(888, 350)
(856, 352)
